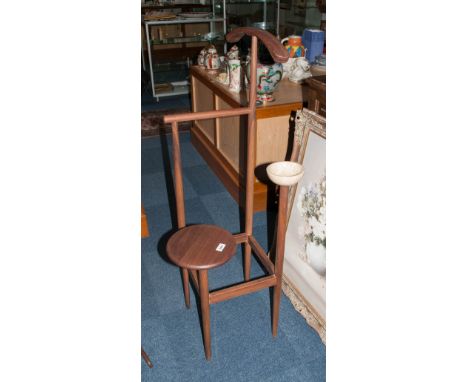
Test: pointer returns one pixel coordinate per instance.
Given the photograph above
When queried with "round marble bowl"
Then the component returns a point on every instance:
(285, 173)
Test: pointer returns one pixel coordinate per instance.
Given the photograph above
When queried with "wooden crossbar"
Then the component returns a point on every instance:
(261, 255)
(241, 238)
(241, 289)
(200, 115)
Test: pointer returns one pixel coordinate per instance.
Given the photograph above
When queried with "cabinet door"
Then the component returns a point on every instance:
(202, 100)
(231, 138)
(272, 139)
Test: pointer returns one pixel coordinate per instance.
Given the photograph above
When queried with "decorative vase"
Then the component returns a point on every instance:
(212, 61)
(268, 78)
(201, 57)
(316, 257)
(294, 46)
(234, 75)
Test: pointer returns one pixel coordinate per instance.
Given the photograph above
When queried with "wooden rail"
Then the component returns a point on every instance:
(241, 289)
(196, 116)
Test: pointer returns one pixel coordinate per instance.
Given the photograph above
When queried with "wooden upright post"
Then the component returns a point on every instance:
(280, 239)
(249, 176)
(178, 182)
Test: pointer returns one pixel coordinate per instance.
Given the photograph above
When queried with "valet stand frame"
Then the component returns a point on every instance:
(274, 270)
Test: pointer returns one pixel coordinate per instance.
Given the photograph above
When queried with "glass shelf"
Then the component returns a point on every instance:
(180, 20)
(179, 40)
(234, 2)
(176, 88)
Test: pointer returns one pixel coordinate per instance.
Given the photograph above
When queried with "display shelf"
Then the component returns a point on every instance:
(174, 6)
(234, 2)
(178, 40)
(180, 20)
(178, 88)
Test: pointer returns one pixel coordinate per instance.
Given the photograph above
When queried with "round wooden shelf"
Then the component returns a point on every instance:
(201, 247)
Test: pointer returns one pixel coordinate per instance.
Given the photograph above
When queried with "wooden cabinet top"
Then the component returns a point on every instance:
(288, 94)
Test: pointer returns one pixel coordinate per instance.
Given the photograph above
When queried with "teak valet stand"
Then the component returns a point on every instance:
(198, 248)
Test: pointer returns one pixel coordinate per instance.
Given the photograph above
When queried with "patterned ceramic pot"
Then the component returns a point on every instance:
(268, 78)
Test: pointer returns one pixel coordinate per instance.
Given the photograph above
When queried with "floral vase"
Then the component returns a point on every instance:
(268, 78)
(316, 257)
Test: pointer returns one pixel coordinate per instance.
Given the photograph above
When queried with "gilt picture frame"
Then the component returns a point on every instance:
(305, 247)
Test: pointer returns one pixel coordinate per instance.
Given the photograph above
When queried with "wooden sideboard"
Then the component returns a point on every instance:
(317, 94)
(222, 141)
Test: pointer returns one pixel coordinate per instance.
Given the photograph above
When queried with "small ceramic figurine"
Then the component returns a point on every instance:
(300, 70)
(212, 60)
(201, 57)
(287, 67)
(233, 53)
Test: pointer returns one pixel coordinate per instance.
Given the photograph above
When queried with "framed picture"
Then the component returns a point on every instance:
(305, 247)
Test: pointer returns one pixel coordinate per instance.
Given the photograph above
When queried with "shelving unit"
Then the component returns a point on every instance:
(185, 44)
(257, 12)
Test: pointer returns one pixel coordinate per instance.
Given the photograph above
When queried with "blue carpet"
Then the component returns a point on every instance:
(243, 348)
(148, 103)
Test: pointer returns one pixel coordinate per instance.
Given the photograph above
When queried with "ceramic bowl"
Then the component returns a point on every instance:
(285, 173)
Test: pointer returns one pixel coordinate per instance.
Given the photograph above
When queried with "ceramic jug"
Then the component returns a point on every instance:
(294, 46)
(268, 78)
(212, 60)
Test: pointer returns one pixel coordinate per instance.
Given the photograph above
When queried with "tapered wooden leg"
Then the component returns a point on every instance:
(205, 311)
(146, 358)
(185, 278)
(247, 261)
(276, 305)
(280, 237)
